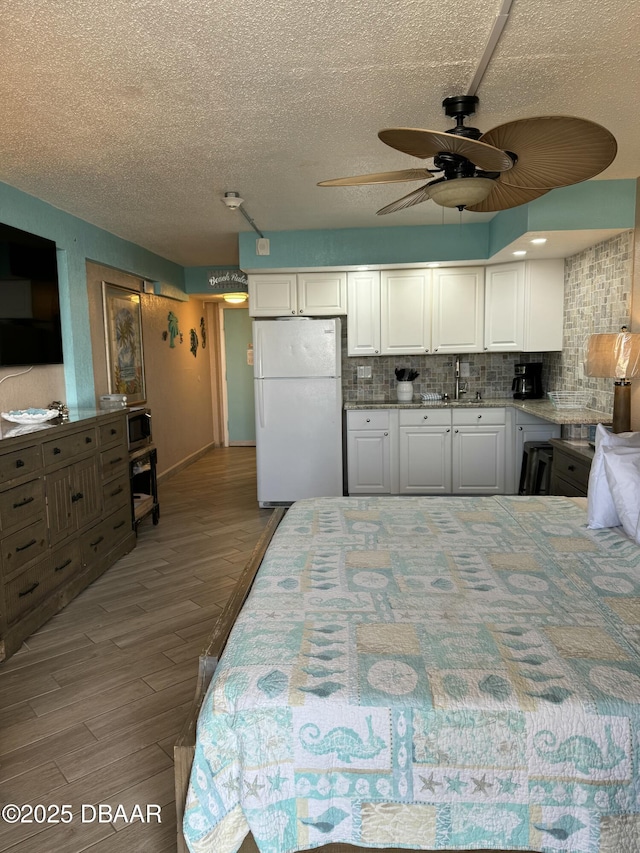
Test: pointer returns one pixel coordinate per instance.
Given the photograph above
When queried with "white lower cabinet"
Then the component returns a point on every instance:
(369, 452)
(425, 452)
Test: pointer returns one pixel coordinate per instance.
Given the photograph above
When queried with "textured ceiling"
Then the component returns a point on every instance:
(137, 115)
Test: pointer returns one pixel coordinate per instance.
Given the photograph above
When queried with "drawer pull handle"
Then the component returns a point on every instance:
(63, 566)
(426, 417)
(56, 451)
(116, 460)
(19, 463)
(97, 542)
(118, 525)
(23, 503)
(88, 439)
(77, 497)
(113, 431)
(33, 587)
(24, 547)
(368, 420)
(115, 492)
(571, 467)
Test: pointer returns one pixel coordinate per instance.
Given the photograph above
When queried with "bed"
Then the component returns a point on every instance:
(427, 674)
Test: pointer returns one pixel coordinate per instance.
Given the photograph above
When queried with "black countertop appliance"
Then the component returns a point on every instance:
(527, 382)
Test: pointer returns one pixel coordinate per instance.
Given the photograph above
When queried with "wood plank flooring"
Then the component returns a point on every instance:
(91, 705)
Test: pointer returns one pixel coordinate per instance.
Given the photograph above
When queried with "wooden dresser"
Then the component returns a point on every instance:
(65, 516)
(570, 467)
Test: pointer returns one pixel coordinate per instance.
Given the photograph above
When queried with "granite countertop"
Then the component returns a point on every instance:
(540, 408)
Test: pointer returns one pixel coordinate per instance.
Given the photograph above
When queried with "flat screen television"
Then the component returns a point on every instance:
(30, 331)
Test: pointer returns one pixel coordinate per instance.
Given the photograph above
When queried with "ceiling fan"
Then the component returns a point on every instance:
(507, 166)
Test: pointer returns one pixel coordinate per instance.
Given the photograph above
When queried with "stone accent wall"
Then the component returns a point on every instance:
(597, 299)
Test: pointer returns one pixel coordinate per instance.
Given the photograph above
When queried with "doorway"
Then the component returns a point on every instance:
(238, 358)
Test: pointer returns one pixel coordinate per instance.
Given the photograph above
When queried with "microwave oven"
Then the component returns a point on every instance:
(138, 428)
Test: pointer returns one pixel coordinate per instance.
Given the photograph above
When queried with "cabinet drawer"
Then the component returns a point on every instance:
(67, 447)
(112, 433)
(113, 462)
(105, 535)
(18, 463)
(368, 419)
(471, 417)
(22, 503)
(420, 417)
(32, 585)
(569, 468)
(20, 548)
(117, 493)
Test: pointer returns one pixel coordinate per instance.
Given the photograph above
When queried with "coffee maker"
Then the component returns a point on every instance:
(527, 383)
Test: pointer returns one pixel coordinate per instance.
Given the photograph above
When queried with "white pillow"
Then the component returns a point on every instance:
(622, 467)
(601, 510)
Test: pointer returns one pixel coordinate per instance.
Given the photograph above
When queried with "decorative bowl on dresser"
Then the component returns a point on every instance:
(65, 516)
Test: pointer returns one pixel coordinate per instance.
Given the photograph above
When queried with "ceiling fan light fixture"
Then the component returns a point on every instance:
(460, 192)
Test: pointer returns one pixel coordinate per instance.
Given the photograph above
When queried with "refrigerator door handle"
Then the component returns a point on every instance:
(260, 395)
(258, 353)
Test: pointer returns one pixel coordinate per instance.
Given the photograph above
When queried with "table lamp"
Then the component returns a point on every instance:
(617, 357)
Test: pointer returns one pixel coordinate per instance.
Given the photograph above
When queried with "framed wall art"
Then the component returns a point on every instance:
(123, 335)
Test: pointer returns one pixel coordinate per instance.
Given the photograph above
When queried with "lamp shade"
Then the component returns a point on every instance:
(614, 356)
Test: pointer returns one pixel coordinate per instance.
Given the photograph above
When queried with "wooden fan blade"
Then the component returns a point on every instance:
(379, 178)
(416, 197)
(430, 143)
(553, 151)
(503, 197)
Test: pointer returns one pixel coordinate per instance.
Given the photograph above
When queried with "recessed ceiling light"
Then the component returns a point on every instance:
(520, 252)
(539, 240)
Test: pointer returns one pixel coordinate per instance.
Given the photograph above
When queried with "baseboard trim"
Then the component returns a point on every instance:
(184, 463)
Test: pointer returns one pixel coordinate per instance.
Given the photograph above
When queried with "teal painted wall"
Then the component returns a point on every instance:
(589, 205)
(241, 421)
(77, 242)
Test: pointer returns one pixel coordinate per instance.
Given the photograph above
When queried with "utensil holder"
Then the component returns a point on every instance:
(404, 392)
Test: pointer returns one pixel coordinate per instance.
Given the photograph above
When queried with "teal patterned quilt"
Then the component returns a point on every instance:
(429, 673)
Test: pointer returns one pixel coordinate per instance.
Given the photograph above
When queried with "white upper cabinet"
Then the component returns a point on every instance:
(458, 310)
(405, 312)
(524, 306)
(504, 308)
(363, 315)
(309, 294)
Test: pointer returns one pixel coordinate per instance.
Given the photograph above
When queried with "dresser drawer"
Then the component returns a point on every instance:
(31, 586)
(569, 468)
(420, 417)
(368, 419)
(20, 548)
(113, 432)
(67, 447)
(19, 463)
(113, 462)
(117, 493)
(22, 503)
(108, 533)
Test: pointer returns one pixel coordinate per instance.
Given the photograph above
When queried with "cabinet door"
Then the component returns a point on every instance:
(478, 460)
(368, 462)
(74, 498)
(363, 315)
(425, 460)
(544, 305)
(272, 295)
(405, 312)
(322, 294)
(87, 491)
(458, 310)
(504, 308)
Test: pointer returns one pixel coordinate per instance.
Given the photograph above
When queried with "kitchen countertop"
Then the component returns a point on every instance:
(540, 408)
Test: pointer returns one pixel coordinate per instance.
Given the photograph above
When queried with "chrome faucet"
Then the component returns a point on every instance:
(461, 387)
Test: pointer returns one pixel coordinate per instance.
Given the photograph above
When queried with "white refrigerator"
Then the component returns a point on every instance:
(298, 396)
